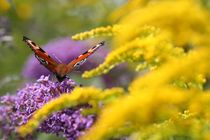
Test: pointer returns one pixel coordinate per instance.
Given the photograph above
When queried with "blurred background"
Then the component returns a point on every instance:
(50, 24)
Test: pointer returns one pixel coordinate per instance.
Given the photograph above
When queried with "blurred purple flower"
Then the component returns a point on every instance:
(17, 110)
(65, 50)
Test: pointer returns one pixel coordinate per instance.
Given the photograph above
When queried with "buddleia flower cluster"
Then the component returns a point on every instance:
(16, 110)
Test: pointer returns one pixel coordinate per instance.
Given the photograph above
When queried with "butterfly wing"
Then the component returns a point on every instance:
(82, 58)
(41, 55)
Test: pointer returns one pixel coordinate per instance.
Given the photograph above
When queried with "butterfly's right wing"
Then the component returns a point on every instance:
(41, 55)
(77, 62)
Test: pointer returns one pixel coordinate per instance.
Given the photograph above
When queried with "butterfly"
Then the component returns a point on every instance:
(59, 69)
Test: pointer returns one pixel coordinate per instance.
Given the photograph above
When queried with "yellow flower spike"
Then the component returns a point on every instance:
(114, 58)
(116, 90)
(123, 110)
(100, 31)
(78, 96)
(174, 69)
(4, 5)
(193, 28)
(130, 52)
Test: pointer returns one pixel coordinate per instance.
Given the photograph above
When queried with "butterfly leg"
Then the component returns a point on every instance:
(60, 79)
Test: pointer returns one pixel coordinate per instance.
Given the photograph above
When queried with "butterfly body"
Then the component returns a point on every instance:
(62, 70)
(59, 69)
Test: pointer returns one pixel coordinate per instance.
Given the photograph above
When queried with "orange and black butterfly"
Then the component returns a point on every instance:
(60, 70)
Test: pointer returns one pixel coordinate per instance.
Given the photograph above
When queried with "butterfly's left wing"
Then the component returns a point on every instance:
(42, 56)
(82, 58)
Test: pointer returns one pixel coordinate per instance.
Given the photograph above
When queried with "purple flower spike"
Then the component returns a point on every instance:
(17, 110)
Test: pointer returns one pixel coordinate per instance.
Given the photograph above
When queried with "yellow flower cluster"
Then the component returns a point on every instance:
(173, 16)
(175, 69)
(141, 110)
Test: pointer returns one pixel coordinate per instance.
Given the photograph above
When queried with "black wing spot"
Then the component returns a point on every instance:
(41, 60)
(94, 47)
(78, 64)
(33, 43)
(85, 52)
(41, 50)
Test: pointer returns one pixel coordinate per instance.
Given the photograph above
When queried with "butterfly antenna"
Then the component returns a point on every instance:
(57, 58)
